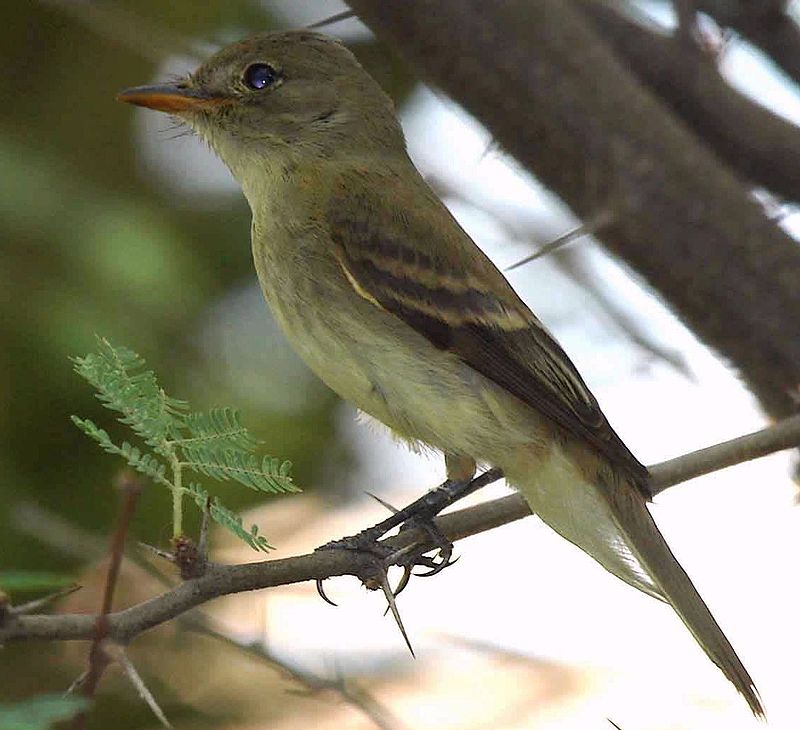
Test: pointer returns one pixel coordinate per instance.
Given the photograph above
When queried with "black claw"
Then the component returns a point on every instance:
(322, 594)
(420, 514)
(439, 541)
(401, 586)
(434, 567)
(438, 568)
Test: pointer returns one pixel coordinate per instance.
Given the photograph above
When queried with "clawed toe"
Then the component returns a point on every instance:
(322, 593)
(415, 557)
(436, 541)
(418, 515)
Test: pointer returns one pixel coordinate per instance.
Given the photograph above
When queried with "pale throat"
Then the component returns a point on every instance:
(258, 166)
(263, 175)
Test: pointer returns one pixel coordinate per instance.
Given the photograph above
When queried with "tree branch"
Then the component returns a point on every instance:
(685, 12)
(783, 435)
(765, 23)
(221, 580)
(98, 656)
(553, 93)
(761, 146)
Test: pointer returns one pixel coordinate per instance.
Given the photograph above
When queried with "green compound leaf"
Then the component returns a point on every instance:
(267, 474)
(214, 444)
(222, 448)
(218, 429)
(136, 395)
(146, 464)
(229, 520)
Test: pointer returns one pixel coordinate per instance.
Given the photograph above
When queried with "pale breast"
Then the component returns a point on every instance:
(377, 362)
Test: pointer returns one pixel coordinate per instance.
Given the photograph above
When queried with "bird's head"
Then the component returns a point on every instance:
(294, 92)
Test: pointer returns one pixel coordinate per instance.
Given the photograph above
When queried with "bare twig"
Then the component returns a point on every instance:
(348, 690)
(686, 13)
(220, 580)
(344, 15)
(77, 683)
(53, 530)
(765, 23)
(120, 657)
(98, 656)
(167, 555)
(783, 435)
(40, 603)
(594, 225)
(761, 146)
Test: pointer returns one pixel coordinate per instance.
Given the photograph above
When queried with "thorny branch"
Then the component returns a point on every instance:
(221, 580)
(761, 146)
(82, 545)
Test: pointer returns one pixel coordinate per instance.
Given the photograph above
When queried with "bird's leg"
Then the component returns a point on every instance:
(420, 512)
(460, 473)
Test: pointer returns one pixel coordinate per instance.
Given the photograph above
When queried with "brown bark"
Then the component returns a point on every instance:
(765, 23)
(761, 146)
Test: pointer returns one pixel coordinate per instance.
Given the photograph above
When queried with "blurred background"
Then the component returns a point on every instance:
(114, 223)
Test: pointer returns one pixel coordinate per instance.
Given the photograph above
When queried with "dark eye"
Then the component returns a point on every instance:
(260, 76)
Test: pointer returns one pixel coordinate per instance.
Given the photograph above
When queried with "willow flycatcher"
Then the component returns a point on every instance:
(391, 304)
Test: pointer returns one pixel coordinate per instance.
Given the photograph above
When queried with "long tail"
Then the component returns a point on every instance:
(611, 523)
(643, 538)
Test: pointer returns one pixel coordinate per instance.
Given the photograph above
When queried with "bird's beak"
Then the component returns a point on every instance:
(170, 98)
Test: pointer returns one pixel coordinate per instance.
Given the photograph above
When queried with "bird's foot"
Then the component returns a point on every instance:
(419, 515)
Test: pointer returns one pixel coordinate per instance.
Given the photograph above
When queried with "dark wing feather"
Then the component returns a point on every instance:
(471, 310)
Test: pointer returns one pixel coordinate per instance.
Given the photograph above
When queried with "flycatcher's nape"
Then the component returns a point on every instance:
(391, 303)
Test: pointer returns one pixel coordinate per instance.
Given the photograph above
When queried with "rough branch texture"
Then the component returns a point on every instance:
(220, 580)
(555, 96)
(759, 145)
(765, 23)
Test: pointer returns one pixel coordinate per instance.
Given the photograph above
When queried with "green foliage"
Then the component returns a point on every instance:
(145, 464)
(214, 444)
(144, 406)
(12, 581)
(223, 516)
(40, 713)
(220, 447)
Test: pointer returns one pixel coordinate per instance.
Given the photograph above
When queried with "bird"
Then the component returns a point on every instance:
(392, 304)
